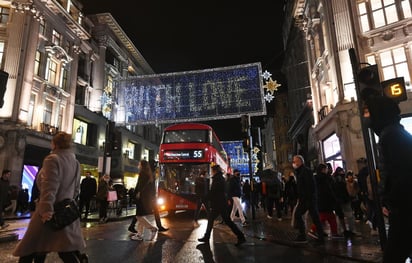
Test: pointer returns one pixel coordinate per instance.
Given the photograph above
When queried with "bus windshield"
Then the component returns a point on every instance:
(186, 136)
(180, 178)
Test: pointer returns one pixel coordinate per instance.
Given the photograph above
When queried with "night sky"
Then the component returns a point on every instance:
(186, 35)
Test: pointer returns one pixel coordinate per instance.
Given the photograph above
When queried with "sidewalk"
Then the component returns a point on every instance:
(364, 248)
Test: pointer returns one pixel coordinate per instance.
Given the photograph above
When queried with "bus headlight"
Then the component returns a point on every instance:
(160, 201)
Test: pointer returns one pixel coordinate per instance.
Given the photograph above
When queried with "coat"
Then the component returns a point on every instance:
(58, 179)
(88, 188)
(235, 188)
(4, 193)
(217, 194)
(102, 190)
(306, 185)
(146, 188)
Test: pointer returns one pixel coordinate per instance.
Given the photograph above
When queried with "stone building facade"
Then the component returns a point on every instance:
(378, 31)
(61, 69)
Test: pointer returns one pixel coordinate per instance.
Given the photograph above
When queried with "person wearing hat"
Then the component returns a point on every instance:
(235, 192)
(218, 206)
(395, 147)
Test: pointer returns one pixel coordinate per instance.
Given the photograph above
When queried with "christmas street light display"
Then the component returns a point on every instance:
(270, 85)
(210, 94)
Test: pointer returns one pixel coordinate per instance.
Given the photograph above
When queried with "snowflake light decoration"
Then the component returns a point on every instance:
(269, 97)
(266, 75)
(270, 85)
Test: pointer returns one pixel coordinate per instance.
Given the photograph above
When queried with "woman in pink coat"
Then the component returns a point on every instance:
(58, 179)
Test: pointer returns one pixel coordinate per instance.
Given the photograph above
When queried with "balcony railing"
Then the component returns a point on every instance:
(48, 129)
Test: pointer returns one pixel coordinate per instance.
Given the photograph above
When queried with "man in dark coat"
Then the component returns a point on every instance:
(307, 200)
(218, 206)
(4, 193)
(274, 195)
(395, 146)
(88, 189)
(201, 189)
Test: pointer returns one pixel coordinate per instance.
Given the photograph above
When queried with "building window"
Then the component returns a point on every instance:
(80, 131)
(4, 15)
(56, 38)
(363, 15)
(42, 27)
(383, 12)
(52, 72)
(30, 112)
(64, 80)
(130, 150)
(378, 13)
(394, 64)
(37, 63)
(60, 118)
(1, 53)
(48, 111)
(406, 7)
(332, 151)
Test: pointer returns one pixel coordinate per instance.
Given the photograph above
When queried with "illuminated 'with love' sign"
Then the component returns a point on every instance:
(219, 93)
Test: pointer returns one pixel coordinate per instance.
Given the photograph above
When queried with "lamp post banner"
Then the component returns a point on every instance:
(219, 93)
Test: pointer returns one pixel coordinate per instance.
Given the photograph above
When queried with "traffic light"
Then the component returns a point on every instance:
(395, 89)
(244, 121)
(113, 138)
(246, 142)
(369, 82)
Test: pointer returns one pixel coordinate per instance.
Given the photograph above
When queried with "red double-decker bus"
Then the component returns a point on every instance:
(186, 150)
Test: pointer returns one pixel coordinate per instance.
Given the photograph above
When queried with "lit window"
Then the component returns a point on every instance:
(31, 109)
(52, 72)
(394, 64)
(60, 118)
(371, 60)
(4, 15)
(64, 79)
(1, 52)
(363, 17)
(37, 62)
(56, 38)
(48, 111)
(406, 7)
(79, 133)
(383, 12)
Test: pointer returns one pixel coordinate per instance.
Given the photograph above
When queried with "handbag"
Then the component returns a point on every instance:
(65, 213)
(111, 196)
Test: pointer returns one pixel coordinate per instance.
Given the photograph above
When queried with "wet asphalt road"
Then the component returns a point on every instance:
(111, 242)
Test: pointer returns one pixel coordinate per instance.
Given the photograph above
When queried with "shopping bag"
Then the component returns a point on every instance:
(111, 196)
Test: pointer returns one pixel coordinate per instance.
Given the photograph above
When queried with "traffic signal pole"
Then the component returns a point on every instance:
(371, 152)
(247, 147)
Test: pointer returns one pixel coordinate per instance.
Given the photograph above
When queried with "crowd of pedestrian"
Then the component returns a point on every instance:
(334, 198)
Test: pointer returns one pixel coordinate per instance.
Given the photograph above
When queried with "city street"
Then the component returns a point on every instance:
(267, 241)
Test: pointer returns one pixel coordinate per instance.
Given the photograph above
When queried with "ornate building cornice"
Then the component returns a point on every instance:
(38, 8)
(108, 20)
